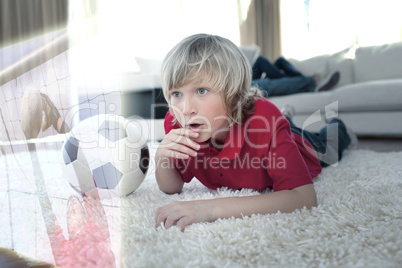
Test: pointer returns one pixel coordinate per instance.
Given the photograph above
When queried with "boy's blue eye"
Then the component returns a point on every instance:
(176, 94)
(202, 91)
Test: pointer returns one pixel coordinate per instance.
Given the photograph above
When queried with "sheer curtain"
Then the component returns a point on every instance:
(25, 28)
(260, 25)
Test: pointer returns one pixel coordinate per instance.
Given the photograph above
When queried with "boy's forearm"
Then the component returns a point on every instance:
(208, 210)
(284, 201)
(167, 176)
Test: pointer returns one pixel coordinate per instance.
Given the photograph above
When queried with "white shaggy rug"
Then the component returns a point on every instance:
(358, 223)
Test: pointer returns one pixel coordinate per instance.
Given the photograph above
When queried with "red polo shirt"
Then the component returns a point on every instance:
(260, 153)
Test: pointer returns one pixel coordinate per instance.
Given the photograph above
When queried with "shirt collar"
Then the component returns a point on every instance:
(233, 143)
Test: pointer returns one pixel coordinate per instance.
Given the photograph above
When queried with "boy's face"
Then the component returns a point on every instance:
(199, 107)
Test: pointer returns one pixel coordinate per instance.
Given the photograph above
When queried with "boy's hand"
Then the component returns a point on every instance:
(184, 213)
(178, 143)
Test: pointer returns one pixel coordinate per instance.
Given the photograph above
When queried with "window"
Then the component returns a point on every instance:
(314, 27)
(151, 28)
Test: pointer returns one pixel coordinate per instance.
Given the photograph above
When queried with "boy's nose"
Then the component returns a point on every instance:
(189, 106)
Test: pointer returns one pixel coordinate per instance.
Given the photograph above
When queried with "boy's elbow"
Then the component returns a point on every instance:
(313, 198)
(313, 203)
(170, 191)
(169, 183)
(171, 187)
(308, 195)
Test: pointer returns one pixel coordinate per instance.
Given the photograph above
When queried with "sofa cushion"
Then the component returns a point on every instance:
(324, 64)
(344, 64)
(251, 52)
(378, 62)
(312, 66)
(304, 103)
(385, 95)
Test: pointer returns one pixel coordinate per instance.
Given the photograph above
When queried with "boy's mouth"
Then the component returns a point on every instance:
(195, 126)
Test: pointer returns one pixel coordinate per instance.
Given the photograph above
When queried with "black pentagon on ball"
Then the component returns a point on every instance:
(70, 151)
(144, 160)
(106, 176)
(112, 130)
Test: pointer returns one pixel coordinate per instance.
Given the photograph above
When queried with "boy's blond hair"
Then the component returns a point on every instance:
(218, 59)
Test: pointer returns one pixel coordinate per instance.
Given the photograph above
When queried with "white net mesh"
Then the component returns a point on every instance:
(33, 190)
(51, 78)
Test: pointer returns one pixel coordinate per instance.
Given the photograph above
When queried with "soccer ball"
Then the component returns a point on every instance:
(108, 152)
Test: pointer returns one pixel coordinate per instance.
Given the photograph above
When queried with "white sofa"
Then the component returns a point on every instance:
(368, 97)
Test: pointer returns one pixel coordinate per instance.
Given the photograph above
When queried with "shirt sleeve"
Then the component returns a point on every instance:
(291, 170)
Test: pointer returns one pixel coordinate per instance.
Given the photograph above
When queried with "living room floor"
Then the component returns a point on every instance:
(381, 144)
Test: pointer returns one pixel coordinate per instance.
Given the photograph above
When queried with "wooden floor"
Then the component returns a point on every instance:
(381, 145)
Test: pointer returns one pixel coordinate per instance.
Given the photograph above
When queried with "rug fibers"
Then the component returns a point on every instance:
(358, 223)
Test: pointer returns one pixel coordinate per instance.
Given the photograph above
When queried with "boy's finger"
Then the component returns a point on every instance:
(182, 155)
(186, 132)
(184, 139)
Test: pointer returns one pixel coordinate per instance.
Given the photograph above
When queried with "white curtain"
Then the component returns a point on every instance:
(20, 23)
(261, 26)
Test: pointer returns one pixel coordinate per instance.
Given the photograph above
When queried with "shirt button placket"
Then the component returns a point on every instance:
(216, 165)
